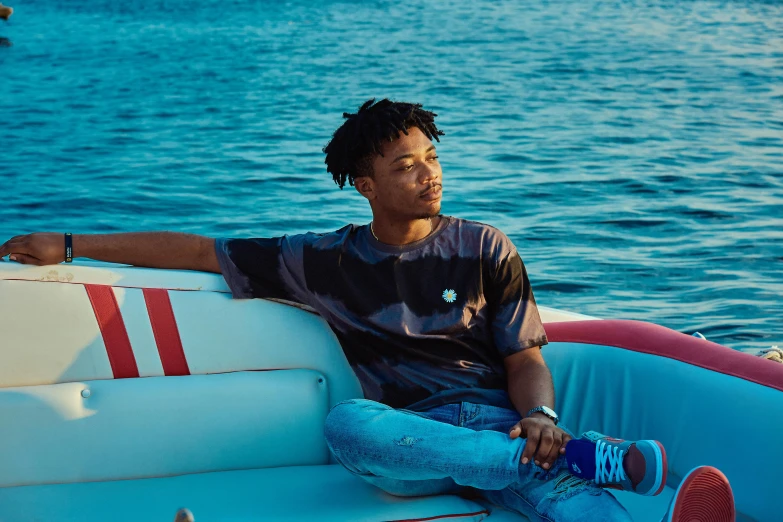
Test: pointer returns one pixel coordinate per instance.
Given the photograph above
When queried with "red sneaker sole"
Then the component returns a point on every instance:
(665, 466)
(704, 496)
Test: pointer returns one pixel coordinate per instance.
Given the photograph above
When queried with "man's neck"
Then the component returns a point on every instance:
(402, 232)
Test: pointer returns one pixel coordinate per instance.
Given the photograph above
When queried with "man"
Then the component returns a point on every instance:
(436, 317)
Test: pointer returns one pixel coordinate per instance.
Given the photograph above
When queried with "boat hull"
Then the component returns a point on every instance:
(118, 376)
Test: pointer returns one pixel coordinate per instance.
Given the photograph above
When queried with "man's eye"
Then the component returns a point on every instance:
(407, 167)
(434, 158)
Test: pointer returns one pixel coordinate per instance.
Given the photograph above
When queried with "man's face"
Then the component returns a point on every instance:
(407, 179)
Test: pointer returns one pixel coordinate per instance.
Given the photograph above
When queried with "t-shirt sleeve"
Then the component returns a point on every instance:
(266, 268)
(516, 324)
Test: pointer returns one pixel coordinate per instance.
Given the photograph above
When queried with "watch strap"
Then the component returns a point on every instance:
(541, 409)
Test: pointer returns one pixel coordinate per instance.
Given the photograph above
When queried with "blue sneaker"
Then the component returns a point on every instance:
(637, 466)
(704, 494)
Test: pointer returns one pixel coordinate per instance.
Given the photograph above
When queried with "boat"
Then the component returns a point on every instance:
(128, 393)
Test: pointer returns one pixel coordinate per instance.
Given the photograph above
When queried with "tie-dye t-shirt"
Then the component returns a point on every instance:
(422, 324)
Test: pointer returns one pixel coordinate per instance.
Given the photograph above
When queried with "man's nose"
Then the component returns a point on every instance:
(429, 173)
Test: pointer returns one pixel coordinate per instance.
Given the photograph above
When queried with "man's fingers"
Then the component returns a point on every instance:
(566, 438)
(20, 246)
(531, 444)
(516, 431)
(544, 447)
(554, 452)
(25, 259)
(7, 247)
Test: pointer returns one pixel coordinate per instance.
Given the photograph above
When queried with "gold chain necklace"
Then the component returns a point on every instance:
(372, 231)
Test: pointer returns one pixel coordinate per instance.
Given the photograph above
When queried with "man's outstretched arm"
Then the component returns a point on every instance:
(173, 250)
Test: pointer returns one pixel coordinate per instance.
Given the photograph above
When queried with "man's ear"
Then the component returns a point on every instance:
(366, 187)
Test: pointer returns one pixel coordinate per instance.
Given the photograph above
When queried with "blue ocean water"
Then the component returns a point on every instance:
(633, 150)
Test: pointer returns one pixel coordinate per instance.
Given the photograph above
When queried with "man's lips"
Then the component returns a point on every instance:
(432, 193)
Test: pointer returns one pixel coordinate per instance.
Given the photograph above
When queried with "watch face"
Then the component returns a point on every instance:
(549, 412)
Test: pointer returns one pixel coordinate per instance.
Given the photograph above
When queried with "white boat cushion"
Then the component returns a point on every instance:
(302, 493)
(49, 335)
(161, 426)
(218, 334)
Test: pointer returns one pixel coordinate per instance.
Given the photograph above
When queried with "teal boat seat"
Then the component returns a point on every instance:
(325, 493)
(295, 493)
(641, 509)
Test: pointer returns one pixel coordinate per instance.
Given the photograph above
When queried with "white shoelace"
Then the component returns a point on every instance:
(608, 464)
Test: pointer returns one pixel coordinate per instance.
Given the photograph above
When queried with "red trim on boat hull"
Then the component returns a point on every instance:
(166, 332)
(653, 339)
(115, 336)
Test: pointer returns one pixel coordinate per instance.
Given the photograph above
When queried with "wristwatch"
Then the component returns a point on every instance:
(549, 412)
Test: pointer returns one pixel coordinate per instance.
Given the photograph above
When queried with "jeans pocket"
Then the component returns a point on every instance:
(447, 414)
(493, 418)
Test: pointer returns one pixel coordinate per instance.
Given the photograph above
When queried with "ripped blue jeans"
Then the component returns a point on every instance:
(459, 449)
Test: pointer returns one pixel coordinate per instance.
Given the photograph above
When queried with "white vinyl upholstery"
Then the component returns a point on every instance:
(51, 335)
(161, 426)
(134, 314)
(85, 271)
(221, 334)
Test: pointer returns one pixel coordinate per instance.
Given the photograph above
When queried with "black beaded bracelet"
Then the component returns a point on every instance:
(68, 247)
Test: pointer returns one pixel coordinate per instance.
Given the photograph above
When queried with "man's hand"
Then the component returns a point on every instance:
(545, 441)
(47, 248)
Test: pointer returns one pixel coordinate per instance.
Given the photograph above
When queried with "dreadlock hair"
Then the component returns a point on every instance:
(350, 152)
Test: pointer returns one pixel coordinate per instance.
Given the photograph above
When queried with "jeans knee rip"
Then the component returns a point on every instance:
(406, 441)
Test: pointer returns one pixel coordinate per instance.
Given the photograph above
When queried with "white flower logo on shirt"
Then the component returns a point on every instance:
(449, 296)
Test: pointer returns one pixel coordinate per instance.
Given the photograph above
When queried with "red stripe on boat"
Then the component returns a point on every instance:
(164, 327)
(115, 336)
(441, 517)
(651, 338)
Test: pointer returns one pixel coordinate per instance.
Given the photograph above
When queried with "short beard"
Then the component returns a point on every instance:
(429, 215)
